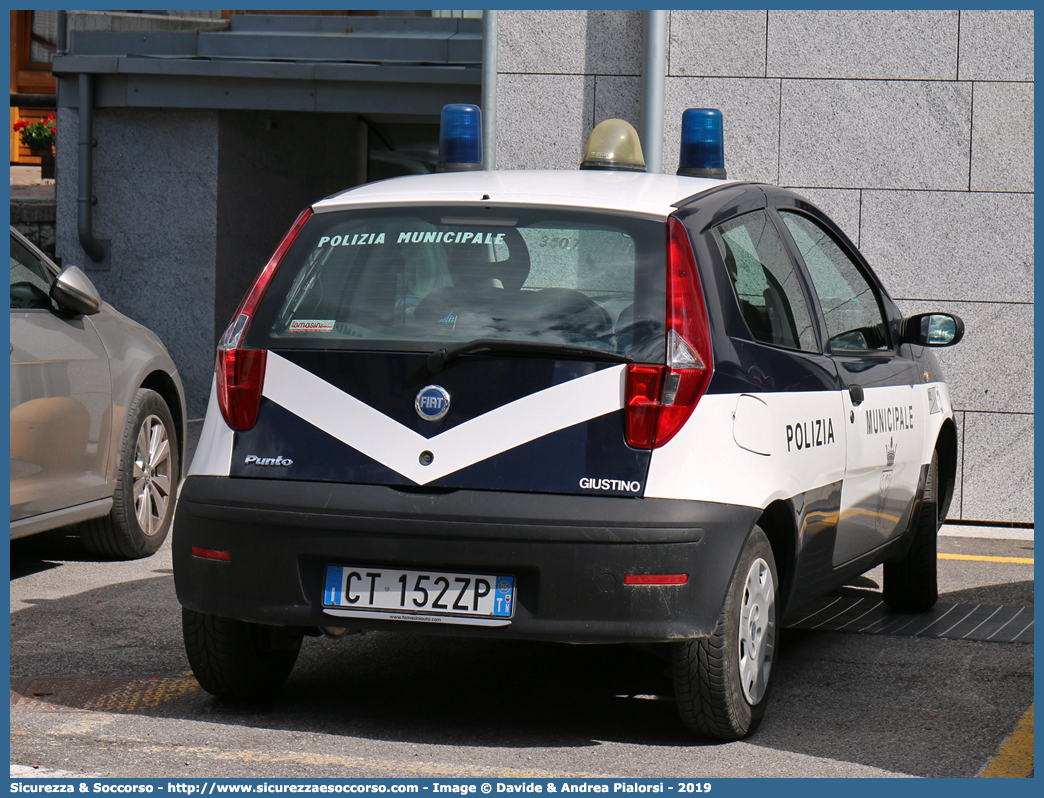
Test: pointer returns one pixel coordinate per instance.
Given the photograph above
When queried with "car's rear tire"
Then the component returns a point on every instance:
(146, 486)
(721, 684)
(236, 660)
(912, 583)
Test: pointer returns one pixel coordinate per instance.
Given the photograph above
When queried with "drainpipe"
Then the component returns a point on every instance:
(63, 48)
(654, 68)
(489, 88)
(95, 249)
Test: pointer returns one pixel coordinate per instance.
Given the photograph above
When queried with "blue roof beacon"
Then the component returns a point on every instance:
(460, 139)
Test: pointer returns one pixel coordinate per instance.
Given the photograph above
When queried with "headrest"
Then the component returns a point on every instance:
(469, 265)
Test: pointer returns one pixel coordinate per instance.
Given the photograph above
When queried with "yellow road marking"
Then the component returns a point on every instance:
(974, 558)
(1014, 760)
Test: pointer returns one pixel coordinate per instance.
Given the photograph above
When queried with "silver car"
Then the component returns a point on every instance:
(97, 413)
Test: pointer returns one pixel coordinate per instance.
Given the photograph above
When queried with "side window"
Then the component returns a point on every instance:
(850, 306)
(30, 282)
(765, 281)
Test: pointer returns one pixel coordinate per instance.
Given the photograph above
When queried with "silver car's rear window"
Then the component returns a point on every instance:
(410, 278)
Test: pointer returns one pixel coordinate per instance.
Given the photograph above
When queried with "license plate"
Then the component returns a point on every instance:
(424, 596)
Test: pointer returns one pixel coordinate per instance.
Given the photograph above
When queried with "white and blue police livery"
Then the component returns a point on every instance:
(591, 406)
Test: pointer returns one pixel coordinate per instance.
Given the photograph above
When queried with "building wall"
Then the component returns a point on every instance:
(33, 217)
(913, 129)
(194, 203)
(272, 165)
(155, 177)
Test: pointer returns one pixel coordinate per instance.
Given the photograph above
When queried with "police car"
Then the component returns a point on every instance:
(588, 407)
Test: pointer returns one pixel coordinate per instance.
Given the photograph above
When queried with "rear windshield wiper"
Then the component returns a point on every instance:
(438, 358)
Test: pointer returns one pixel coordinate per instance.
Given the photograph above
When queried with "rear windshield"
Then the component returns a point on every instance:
(411, 278)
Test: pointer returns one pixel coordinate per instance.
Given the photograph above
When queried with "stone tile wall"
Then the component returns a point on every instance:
(913, 129)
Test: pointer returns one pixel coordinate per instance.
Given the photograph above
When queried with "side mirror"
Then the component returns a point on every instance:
(931, 329)
(74, 291)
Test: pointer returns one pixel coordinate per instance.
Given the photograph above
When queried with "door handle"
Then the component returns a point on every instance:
(856, 392)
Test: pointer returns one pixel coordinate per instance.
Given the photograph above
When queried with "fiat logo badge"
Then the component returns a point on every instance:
(432, 403)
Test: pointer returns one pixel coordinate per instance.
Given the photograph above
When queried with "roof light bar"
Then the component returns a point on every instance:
(460, 138)
(702, 144)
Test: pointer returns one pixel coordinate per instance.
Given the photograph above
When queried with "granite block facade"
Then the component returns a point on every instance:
(731, 44)
(913, 129)
(570, 42)
(863, 45)
(1002, 137)
(548, 125)
(997, 467)
(950, 245)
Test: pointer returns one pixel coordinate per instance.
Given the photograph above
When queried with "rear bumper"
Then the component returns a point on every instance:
(569, 555)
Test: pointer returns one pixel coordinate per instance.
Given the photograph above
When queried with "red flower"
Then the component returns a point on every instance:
(54, 131)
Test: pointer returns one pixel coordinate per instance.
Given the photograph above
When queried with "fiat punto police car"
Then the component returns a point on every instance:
(588, 407)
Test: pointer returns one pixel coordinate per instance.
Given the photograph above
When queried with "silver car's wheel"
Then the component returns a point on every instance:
(143, 501)
(721, 684)
(152, 477)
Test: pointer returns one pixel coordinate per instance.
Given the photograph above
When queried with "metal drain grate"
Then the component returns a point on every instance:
(157, 697)
(996, 623)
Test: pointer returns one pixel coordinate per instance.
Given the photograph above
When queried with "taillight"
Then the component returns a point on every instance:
(660, 399)
(240, 377)
(241, 371)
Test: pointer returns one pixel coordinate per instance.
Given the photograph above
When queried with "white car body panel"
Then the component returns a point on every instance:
(635, 193)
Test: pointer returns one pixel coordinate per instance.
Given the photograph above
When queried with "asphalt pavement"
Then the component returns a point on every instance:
(101, 687)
